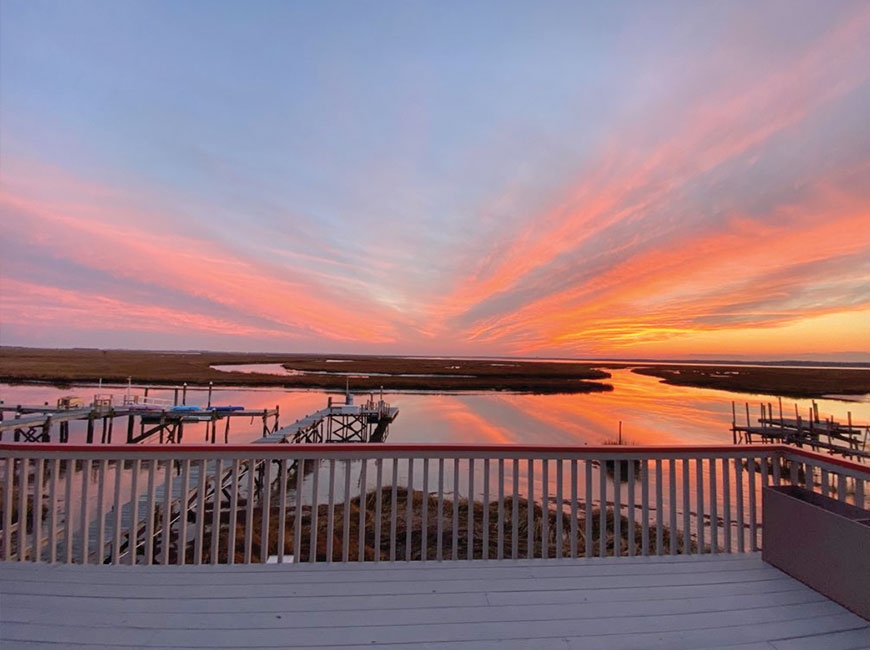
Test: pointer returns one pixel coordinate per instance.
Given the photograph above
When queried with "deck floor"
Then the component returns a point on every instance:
(731, 601)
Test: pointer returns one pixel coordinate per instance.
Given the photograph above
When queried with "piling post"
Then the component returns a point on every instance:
(209, 395)
(90, 437)
(184, 395)
(130, 423)
(175, 397)
(111, 423)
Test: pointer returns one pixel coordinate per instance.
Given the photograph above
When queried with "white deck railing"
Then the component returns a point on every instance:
(384, 502)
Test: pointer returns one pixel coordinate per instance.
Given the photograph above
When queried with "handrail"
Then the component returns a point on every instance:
(341, 502)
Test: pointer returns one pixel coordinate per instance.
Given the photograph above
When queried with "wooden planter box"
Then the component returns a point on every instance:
(822, 542)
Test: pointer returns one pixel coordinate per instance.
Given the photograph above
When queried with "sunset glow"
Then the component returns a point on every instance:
(640, 181)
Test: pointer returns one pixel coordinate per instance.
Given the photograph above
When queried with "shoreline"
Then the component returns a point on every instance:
(60, 367)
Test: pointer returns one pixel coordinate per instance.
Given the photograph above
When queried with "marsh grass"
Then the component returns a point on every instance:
(427, 538)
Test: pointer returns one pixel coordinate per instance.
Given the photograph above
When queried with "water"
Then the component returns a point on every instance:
(651, 412)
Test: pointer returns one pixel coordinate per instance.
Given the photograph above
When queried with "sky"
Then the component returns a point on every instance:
(619, 180)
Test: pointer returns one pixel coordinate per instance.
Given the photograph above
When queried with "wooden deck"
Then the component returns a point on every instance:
(726, 601)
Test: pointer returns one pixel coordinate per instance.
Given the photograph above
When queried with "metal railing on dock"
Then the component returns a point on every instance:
(352, 502)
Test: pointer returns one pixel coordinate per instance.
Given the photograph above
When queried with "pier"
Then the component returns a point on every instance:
(348, 422)
(147, 419)
(847, 439)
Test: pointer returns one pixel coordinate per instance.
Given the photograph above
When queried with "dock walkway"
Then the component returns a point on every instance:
(726, 601)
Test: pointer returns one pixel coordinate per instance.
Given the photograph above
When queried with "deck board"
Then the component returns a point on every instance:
(725, 602)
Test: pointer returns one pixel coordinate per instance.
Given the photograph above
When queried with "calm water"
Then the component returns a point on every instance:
(651, 412)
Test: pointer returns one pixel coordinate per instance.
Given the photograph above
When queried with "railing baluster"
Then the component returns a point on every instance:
(588, 548)
(424, 515)
(234, 511)
(101, 514)
(753, 538)
(394, 508)
(345, 533)
(152, 512)
(559, 507)
(574, 515)
(9, 465)
(825, 480)
(200, 510)
(282, 510)
(741, 522)
(545, 508)
(631, 514)
(454, 540)
(37, 510)
(21, 524)
(85, 521)
(515, 511)
(439, 552)
(726, 503)
(133, 532)
(859, 492)
(672, 503)
(841, 487)
(699, 496)
(500, 543)
(602, 512)
(23, 471)
(68, 522)
(530, 510)
(777, 470)
(379, 483)
(330, 509)
(217, 479)
(644, 500)
(116, 532)
(485, 513)
(249, 511)
(265, 510)
(687, 509)
(363, 494)
(165, 513)
(52, 504)
(409, 510)
(183, 494)
(660, 524)
(714, 509)
(298, 499)
(470, 520)
(617, 508)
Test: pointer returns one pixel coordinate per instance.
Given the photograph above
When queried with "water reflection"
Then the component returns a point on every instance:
(651, 412)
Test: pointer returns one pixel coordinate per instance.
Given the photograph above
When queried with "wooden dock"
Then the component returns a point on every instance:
(847, 439)
(734, 602)
(348, 422)
(145, 421)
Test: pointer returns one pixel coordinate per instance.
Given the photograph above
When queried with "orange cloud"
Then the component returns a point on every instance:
(128, 247)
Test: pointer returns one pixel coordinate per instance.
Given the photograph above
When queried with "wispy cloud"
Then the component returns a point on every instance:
(688, 182)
